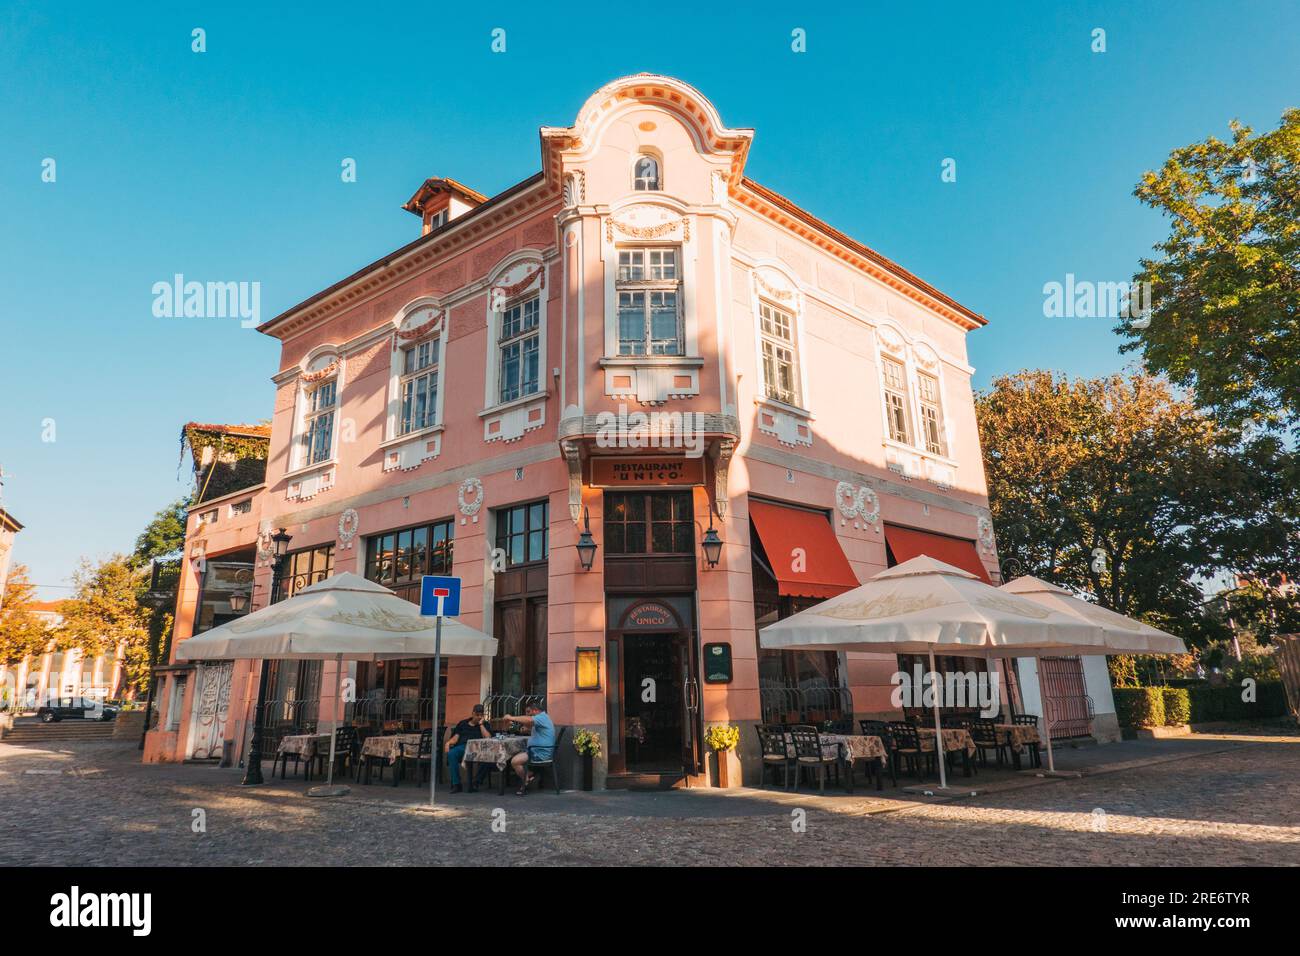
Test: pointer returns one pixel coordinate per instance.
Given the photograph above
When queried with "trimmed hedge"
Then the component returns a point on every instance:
(1139, 706)
(1210, 704)
(1178, 706)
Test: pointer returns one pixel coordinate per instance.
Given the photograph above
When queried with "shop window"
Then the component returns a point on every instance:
(399, 559)
(649, 523)
(306, 567)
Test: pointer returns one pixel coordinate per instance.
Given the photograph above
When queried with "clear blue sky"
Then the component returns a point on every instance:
(225, 166)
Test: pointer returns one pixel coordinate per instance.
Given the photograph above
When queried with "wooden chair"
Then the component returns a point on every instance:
(771, 739)
(808, 754)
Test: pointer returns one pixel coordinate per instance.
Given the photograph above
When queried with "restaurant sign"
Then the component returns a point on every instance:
(651, 614)
(662, 471)
(717, 663)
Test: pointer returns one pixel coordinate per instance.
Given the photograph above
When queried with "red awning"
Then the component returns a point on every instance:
(819, 568)
(959, 552)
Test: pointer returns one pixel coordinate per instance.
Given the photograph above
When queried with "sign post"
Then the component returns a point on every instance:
(439, 597)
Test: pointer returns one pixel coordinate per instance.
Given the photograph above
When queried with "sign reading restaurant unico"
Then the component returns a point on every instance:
(661, 471)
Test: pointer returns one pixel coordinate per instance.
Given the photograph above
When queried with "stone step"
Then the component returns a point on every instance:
(63, 730)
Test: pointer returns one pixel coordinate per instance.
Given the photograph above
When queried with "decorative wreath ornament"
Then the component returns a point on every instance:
(846, 499)
(349, 522)
(321, 373)
(985, 531)
(474, 487)
(868, 504)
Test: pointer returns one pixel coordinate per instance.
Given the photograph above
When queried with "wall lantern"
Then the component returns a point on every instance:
(589, 668)
(281, 540)
(711, 544)
(238, 601)
(586, 543)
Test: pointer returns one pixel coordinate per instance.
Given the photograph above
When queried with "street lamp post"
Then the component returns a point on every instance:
(253, 772)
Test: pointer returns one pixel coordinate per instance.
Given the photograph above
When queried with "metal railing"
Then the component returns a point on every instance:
(285, 718)
(496, 706)
(403, 714)
(808, 703)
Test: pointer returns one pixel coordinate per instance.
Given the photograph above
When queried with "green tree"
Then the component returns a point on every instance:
(1225, 288)
(1116, 488)
(21, 631)
(106, 611)
(164, 535)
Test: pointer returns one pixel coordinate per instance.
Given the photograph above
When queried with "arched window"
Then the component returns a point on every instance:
(645, 174)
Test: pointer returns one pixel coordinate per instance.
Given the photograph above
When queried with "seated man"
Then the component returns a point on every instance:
(472, 727)
(541, 742)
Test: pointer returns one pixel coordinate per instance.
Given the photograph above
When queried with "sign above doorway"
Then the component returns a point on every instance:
(659, 471)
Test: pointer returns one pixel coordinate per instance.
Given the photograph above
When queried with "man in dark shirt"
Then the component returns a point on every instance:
(471, 728)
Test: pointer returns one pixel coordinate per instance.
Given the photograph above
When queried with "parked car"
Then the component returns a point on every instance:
(77, 708)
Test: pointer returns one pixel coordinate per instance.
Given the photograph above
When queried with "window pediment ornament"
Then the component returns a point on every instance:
(926, 357)
(320, 374)
(890, 340)
(408, 333)
(501, 290)
(776, 288)
(634, 225)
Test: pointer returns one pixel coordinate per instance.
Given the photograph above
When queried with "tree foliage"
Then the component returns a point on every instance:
(164, 535)
(1225, 288)
(1116, 488)
(21, 631)
(106, 612)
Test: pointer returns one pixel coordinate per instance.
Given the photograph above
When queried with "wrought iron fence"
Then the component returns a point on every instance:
(806, 703)
(285, 718)
(401, 714)
(496, 706)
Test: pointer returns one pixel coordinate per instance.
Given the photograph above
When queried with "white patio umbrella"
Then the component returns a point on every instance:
(922, 606)
(344, 617)
(1123, 635)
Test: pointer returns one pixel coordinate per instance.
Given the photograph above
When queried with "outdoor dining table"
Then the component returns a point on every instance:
(1018, 736)
(389, 748)
(954, 739)
(848, 748)
(303, 746)
(494, 750)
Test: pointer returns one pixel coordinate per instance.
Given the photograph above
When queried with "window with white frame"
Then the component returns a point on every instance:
(519, 343)
(931, 414)
(418, 387)
(645, 174)
(780, 367)
(894, 377)
(318, 426)
(648, 284)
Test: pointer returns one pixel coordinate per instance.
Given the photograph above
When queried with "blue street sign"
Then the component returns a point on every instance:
(439, 596)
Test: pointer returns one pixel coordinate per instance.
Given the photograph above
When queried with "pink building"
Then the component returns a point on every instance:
(640, 337)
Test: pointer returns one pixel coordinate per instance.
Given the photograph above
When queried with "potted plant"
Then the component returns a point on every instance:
(587, 744)
(722, 740)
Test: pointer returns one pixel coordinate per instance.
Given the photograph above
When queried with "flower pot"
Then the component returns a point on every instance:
(728, 769)
(586, 771)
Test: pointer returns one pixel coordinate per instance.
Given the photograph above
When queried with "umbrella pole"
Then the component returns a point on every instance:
(435, 752)
(1047, 721)
(939, 752)
(329, 790)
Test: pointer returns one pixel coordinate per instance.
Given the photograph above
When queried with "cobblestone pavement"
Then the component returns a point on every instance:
(93, 803)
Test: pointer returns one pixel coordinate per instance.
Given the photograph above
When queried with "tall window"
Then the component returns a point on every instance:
(519, 342)
(419, 387)
(399, 559)
(522, 533)
(931, 414)
(318, 435)
(649, 294)
(649, 523)
(645, 174)
(304, 568)
(895, 382)
(779, 369)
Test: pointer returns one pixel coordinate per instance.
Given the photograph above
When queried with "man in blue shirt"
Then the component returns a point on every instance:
(541, 742)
